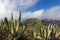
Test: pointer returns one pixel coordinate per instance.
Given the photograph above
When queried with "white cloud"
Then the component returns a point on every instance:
(8, 6)
(53, 13)
(36, 14)
(19, 4)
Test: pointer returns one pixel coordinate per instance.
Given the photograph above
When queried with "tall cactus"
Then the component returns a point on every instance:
(19, 19)
(12, 20)
(18, 22)
(12, 23)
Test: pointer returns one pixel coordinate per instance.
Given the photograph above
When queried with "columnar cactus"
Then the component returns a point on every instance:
(12, 24)
(18, 23)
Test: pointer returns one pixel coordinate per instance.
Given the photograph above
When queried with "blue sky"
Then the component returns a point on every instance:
(30, 9)
(51, 9)
(44, 4)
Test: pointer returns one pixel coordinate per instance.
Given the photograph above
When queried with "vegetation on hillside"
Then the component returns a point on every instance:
(32, 30)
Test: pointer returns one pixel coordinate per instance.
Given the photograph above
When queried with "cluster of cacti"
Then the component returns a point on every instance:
(11, 29)
(41, 33)
(15, 30)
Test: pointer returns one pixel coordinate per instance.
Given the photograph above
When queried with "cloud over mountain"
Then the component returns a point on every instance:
(36, 14)
(53, 13)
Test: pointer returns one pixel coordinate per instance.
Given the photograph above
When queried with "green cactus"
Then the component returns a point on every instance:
(12, 20)
(19, 19)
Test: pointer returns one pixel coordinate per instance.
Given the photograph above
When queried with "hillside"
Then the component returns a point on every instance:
(40, 22)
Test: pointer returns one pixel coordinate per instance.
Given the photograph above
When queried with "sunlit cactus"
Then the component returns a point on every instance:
(12, 19)
(12, 23)
(18, 22)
